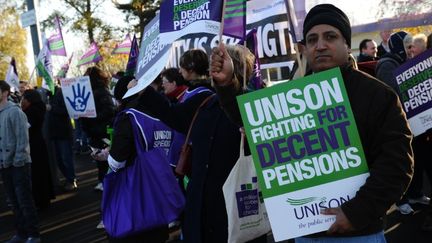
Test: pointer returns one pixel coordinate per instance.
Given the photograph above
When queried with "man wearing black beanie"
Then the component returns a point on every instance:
(381, 123)
(382, 127)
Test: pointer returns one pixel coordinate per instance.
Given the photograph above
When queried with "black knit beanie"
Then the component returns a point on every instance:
(396, 45)
(331, 15)
(121, 87)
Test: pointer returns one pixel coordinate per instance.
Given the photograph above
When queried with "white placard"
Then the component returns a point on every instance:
(78, 97)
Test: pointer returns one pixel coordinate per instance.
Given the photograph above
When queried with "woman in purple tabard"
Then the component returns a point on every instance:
(123, 152)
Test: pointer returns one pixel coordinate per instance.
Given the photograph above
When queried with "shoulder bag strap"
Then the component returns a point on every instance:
(195, 116)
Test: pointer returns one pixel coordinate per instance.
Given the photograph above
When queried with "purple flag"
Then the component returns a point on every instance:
(92, 55)
(55, 41)
(124, 47)
(179, 18)
(255, 82)
(133, 58)
(235, 18)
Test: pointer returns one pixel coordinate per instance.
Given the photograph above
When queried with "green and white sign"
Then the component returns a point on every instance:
(306, 150)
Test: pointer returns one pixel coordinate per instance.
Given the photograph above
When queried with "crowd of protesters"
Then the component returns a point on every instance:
(199, 97)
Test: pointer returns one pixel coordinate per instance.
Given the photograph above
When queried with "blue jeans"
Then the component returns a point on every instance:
(373, 238)
(17, 182)
(64, 156)
(80, 136)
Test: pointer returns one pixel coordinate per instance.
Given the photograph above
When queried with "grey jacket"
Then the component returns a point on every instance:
(14, 138)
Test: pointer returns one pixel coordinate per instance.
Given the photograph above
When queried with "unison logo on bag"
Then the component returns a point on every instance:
(248, 199)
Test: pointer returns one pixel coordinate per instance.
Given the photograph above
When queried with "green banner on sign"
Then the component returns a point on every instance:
(302, 133)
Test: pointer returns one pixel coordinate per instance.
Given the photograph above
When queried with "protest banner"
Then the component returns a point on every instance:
(182, 17)
(78, 97)
(268, 18)
(306, 150)
(275, 47)
(153, 56)
(414, 79)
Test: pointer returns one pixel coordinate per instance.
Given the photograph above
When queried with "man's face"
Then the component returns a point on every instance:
(325, 48)
(22, 87)
(371, 49)
(416, 49)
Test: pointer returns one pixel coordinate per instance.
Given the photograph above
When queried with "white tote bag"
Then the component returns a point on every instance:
(247, 215)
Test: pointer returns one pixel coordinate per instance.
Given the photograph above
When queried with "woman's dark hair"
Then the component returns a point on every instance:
(98, 77)
(32, 96)
(173, 74)
(195, 60)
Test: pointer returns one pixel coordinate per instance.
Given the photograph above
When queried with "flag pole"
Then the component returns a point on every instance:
(292, 30)
(31, 76)
(244, 64)
(222, 21)
(299, 61)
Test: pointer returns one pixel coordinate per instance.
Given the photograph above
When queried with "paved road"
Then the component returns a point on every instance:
(72, 217)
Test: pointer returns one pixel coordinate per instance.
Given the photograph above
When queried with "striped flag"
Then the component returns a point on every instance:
(12, 75)
(133, 58)
(56, 43)
(124, 47)
(44, 67)
(235, 18)
(255, 82)
(64, 69)
(92, 55)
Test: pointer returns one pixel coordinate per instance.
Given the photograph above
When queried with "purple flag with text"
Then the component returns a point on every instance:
(133, 58)
(255, 82)
(92, 55)
(235, 18)
(55, 41)
(124, 47)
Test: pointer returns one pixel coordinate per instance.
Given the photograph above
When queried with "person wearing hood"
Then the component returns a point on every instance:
(392, 60)
(384, 72)
(15, 167)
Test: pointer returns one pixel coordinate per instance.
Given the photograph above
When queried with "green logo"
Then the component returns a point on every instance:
(298, 202)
